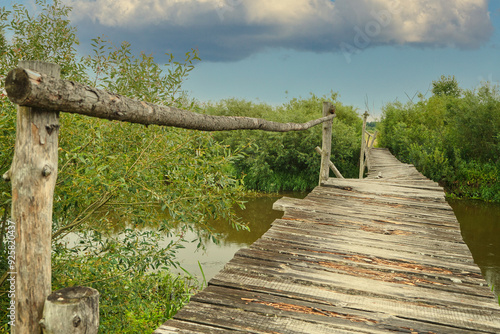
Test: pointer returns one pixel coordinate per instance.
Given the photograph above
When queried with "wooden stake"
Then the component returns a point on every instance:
(33, 176)
(324, 172)
(363, 145)
(330, 164)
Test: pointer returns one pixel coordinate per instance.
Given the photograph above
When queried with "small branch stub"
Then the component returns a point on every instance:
(6, 176)
(46, 171)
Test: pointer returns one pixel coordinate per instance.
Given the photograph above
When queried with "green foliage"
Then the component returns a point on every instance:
(287, 161)
(122, 189)
(452, 138)
(446, 86)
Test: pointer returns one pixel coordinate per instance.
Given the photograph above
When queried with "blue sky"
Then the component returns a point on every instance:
(369, 51)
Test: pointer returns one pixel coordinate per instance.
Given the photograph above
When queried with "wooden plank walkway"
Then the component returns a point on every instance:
(379, 255)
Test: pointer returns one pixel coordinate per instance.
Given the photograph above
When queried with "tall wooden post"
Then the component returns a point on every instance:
(326, 150)
(33, 174)
(363, 146)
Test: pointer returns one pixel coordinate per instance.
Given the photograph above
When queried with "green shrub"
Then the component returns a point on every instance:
(287, 161)
(452, 137)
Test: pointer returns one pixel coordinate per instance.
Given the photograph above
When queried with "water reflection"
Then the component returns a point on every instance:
(480, 226)
(259, 215)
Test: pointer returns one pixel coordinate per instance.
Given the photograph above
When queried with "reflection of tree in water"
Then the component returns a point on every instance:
(480, 226)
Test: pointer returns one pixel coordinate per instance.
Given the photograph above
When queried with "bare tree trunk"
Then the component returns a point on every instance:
(30, 88)
(33, 176)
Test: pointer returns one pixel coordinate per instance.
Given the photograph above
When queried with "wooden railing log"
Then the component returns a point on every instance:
(30, 88)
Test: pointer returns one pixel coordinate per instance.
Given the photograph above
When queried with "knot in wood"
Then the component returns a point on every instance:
(46, 170)
(76, 321)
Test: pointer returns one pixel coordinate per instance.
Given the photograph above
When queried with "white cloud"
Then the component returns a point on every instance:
(232, 29)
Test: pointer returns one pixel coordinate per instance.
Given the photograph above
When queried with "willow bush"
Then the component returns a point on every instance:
(452, 137)
(126, 194)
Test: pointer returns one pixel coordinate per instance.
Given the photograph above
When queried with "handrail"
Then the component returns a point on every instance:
(29, 88)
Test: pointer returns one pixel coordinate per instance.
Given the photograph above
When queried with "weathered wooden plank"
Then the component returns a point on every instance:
(187, 327)
(341, 220)
(423, 217)
(386, 190)
(284, 251)
(411, 288)
(472, 317)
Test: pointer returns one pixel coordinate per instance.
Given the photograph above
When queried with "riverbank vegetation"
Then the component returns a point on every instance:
(452, 137)
(274, 162)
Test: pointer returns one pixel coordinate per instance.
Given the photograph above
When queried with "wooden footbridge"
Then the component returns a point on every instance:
(379, 255)
(382, 254)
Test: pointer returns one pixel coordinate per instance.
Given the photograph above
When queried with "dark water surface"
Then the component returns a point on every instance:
(480, 226)
(479, 223)
(259, 215)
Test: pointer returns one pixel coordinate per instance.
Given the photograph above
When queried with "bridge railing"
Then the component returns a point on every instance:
(40, 94)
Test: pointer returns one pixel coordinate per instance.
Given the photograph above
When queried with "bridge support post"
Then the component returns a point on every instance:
(326, 149)
(363, 147)
(33, 174)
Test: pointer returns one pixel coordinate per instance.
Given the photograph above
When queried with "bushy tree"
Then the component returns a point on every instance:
(447, 86)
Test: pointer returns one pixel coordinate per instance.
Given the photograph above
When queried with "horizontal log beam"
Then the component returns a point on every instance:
(29, 88)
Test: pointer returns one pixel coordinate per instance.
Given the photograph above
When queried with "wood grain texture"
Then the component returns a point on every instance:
(33, 176)
(378, 255)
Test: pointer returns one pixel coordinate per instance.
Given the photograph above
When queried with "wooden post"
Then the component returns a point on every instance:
(363, 145)
(72, 310)
(33, 174)
(370, 146)
(328, 109)
(330, 164)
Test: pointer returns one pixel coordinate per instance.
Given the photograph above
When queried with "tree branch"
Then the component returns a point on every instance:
(29, 88)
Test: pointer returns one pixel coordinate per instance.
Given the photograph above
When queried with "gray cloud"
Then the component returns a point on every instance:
(230, 30)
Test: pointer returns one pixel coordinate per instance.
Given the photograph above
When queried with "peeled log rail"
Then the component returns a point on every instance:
(33, 89)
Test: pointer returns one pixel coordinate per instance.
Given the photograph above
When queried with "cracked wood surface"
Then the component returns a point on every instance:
(379, 255)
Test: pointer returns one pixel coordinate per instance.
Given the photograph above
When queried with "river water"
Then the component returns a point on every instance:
(480, 226)
(479, 223)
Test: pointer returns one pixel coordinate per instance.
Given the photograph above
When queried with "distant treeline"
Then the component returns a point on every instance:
(452, 137)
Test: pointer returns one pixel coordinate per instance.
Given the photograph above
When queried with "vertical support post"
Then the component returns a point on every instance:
(370, 146)
(363, 145)
(33, 175)
(326, 149)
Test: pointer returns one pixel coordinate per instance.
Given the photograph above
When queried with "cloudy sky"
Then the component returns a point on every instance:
(370, 51)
